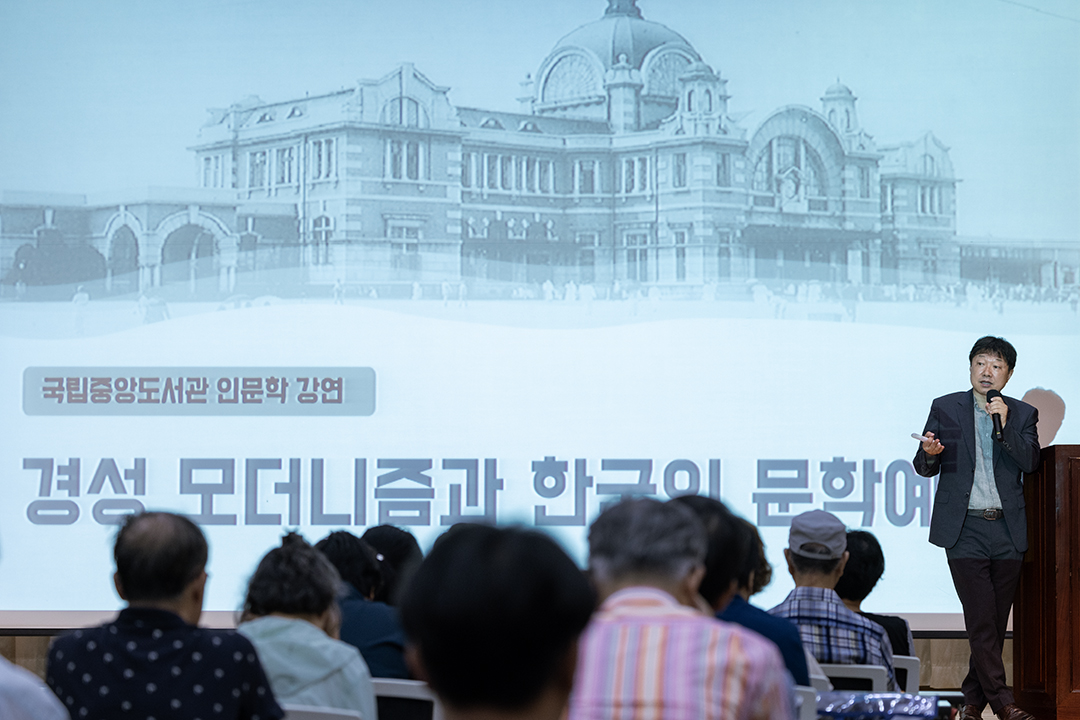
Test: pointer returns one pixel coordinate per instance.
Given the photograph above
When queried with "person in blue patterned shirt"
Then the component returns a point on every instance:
(816, 556)
(153, 661)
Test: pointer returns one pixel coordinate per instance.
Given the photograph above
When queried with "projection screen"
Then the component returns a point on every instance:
(336, 264)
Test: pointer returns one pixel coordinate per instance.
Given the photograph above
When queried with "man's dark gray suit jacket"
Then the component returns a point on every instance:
(952, 421)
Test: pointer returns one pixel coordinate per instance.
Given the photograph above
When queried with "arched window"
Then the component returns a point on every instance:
(661, 77)
(784, 153)
(929, 166)
(572, 76)
(124, 260)
(405, 111)
(708, 101)
(690, 101)
(847, 119)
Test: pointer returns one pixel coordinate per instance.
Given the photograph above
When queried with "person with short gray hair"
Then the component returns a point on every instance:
(651, 646)
(651, 540)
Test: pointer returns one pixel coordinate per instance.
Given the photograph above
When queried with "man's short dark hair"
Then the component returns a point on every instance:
(864, 567)
(354, 559)
(401, 555)
(158, 554)
(294, 579)
(644, 537)
(493, 613)
(996, 346)
(727, 545)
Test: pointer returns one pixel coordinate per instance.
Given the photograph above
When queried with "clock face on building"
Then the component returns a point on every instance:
(572, 77)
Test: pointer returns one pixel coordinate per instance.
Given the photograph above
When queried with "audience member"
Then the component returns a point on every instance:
(865, 565)
(493, 617)
(816, 555)
(724, 548)
(24, 697)
(399, 555)
(370, 626)
(291, 617)
(152, 661)
(780, 630)
(763, 574)
(649, 647)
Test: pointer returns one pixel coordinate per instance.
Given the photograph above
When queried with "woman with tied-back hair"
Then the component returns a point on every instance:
(291, 617)
(371, 626)
(399, 555)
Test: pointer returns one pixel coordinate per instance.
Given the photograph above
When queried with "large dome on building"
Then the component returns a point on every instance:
(622, 31)
(572, 78)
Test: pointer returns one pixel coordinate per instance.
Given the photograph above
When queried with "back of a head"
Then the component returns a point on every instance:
(864, 568)
(401, 555)
(817, 541)
(727, 547)
(493, 613)
(354, 560)
(642, 538)
(754, 571)
(157, 555)
(292, 579)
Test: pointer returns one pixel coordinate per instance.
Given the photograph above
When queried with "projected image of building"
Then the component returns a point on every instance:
(626, 166)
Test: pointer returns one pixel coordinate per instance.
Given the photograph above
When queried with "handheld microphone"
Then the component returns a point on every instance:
(990, 395)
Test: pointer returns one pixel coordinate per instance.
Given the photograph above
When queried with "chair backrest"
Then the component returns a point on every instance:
(857, 677)
(818, 680)
(909, 679)
(820, 683)
(807, 699)
(310, 712)
(405, 700)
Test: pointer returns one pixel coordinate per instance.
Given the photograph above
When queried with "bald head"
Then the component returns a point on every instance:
(157, 556)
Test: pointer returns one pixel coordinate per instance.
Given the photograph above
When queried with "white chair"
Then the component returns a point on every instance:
(818, 679)
(407, 690)
(807, 699)
(912, 665)
(310, 712)
(820, 683)
(875, 675)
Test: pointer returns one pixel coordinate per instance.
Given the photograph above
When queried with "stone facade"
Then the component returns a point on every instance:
(623, 167)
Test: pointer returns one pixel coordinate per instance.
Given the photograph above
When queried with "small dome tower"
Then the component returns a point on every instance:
(702, 101)
(838, 106)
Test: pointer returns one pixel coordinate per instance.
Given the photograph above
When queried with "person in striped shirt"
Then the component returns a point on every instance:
(653, 649)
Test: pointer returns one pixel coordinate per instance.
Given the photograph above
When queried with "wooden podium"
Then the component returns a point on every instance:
(1046, 615)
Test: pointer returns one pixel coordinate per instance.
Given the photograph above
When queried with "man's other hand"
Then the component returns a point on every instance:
(933, 446)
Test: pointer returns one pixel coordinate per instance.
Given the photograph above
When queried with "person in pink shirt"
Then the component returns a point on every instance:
(652, 650)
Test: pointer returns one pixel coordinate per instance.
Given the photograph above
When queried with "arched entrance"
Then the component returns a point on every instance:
(124, 261)
(189, 254)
